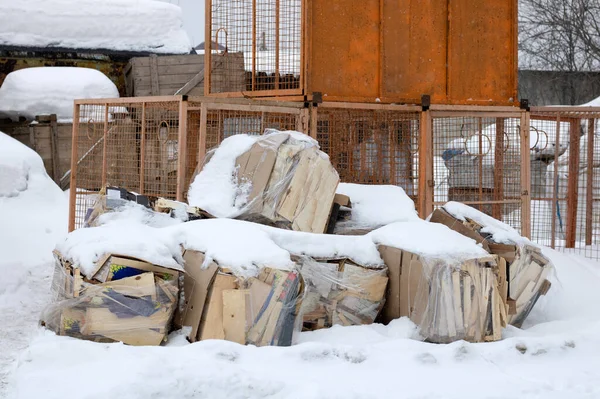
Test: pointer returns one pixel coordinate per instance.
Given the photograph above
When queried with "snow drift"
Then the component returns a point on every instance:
(124, 25)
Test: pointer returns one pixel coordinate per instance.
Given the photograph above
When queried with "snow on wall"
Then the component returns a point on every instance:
(51, 90)
(122, 25)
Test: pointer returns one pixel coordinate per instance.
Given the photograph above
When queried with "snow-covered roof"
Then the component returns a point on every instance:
(120, 25)
(51, 90)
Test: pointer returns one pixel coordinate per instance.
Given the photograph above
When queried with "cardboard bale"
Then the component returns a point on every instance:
(290, 183)
(340, 292)
(121, 299)
(258, 310)
(527, 269)
(448, 301)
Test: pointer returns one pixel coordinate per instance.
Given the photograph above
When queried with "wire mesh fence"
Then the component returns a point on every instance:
(267, 33)
(477, 161)
(566, 179)
(371, 146)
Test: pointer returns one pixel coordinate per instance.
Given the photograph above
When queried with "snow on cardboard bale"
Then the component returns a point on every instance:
(280, 179)
(526, 268)
(364, 208)
(442, 281)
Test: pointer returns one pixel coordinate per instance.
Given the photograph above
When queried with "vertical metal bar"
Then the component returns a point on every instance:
(74, 156)
(143, 151)
(480, 131)
(497, 208)
(589, 205)
(555, 193)
(277, 13)
(425, 193)
(253, 45)
(573, 182)
(394, 136)
(182, 149)
(207, 46)
(105, 147)
(305, 38)
(202, 139)
(525, 177)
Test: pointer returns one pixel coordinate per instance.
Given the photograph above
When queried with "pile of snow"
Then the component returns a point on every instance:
(122, 25)
(375, 206)
(51, 90)
(33, 217)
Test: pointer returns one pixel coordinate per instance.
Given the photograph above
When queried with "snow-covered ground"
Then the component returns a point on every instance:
(554, 356)
(125, 25)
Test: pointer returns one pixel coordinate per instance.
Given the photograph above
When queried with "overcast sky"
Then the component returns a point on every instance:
(193, 18)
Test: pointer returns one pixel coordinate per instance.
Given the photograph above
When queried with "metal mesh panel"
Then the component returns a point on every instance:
(222, 124)
(133, 145)
(477, 161)
(372, 146)
(267, 33)
(566, 182)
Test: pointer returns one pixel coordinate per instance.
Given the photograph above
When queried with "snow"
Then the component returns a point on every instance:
(241, 246)
(215, 188)
(429, 239)
(122, 25)
(51, 90)
(33, 216)
(375, 206)
(84, 247)
(501, 232)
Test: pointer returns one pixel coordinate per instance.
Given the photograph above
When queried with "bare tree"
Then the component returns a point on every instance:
(560, 35)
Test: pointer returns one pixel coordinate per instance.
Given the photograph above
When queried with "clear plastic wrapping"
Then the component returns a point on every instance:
(284, 180)
(459, 301)
(340, 292)
(135, 303)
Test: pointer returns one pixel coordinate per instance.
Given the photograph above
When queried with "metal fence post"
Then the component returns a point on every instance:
(425, 194)
(573, 182)
(525, 176)
(73, 184)
(182, 148)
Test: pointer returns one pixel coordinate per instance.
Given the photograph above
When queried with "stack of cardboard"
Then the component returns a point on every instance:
(122, 299)
(292, 183)
(340, 292)
(525, 267)
(258, 310)
(448, 301)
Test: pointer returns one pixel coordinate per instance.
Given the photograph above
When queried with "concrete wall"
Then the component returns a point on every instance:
(558, 88)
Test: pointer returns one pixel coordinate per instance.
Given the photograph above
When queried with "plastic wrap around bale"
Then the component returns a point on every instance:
(449, 300)
(525, 267)
(282, 179)
(340, 292)
(127, 300)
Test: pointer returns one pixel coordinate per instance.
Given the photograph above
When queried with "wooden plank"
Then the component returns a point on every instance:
(425, 192)
(236, 304)
(392, 257)
(55, 155)
(259, 291)
(169, 60)
(170, 69)
(497, 209)
(457, 302)
(73, 177)
(212, 321)
(154, 74)
(182, 151)
(195, 81)
(138, 286)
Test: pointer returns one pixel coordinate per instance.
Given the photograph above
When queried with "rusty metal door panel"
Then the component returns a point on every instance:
(482, 58)
(344, 56)
(414, 49)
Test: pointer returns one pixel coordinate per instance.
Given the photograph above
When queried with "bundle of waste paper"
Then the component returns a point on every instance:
(461, 275)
